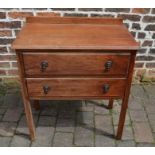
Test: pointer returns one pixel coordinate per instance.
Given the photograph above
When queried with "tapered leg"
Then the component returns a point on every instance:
(110, 105)
(36, 105)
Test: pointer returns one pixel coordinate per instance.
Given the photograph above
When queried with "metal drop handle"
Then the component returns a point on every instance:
(106, 88)
(46, 89)
(43, 65)
(108, 65)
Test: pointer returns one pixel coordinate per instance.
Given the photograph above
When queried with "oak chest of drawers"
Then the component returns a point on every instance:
(75, 59)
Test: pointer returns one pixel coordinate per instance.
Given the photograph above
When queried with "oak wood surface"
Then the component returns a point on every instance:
(110, 105)
(74, 98)
(75, 87)
(75, 64)
(76, 50)
(126, 98)
(73, 20)
(26, 100)
(74, 36)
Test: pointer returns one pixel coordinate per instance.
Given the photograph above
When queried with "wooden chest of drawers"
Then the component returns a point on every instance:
(75, 59)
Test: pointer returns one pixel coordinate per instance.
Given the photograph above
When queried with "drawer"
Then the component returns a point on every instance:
(52, 64)
(75, 87)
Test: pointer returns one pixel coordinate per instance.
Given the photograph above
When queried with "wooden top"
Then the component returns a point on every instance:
(74, 33)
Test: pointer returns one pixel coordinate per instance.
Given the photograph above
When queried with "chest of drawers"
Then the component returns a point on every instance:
(75, 59)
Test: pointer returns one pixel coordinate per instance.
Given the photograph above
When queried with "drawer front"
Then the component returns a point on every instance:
(75, 87)
(52, 64)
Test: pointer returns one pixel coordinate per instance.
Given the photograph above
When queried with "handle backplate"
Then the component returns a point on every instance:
(46, 89)
(106, 88)
(108, 65)
(43, 65)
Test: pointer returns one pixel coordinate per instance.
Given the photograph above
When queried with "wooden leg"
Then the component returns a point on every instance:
(110, 105)
(122, 118)
(36, 105)
(27, 105)
(125, 99)
(29, 118)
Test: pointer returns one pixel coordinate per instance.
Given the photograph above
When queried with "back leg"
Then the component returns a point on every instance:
(36, 105)
(110, 105)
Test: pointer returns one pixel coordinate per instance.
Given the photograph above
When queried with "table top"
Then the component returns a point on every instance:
(37, 35)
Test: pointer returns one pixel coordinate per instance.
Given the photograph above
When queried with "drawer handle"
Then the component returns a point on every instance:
(108, 65)
(46, 89)
(43, 65)
(105, 88)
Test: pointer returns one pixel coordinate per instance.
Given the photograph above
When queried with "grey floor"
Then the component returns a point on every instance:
(80, 123)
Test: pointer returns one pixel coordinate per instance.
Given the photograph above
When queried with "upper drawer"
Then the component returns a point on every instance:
(52, 64)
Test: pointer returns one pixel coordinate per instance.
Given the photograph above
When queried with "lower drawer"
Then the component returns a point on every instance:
(75, 87)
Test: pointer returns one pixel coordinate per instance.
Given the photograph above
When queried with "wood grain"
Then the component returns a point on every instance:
(75, 64)
(26, 101)
(69, 87)
(75, 36)
(76, 50)
(73, 20)
(126, 98)
(110, 105)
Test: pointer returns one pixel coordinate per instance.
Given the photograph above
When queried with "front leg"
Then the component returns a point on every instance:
(26, 100)
(29, 118)
(125, 98)
(122, 118)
